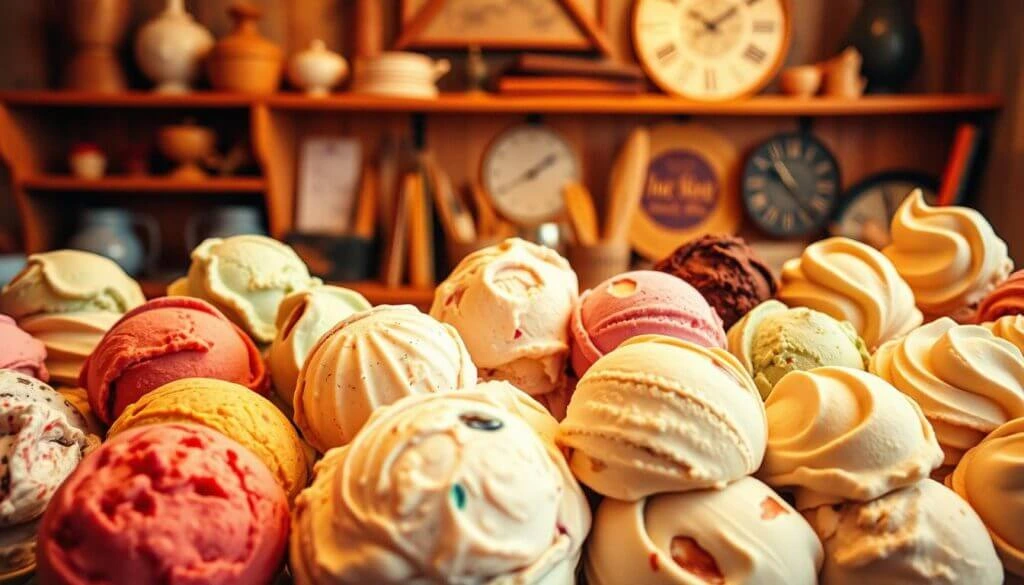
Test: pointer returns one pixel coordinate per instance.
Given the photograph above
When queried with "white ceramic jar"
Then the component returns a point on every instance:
(316, 70)
(170, 49)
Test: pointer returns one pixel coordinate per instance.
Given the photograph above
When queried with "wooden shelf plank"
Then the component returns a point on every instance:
(241, 185)
(130, 99)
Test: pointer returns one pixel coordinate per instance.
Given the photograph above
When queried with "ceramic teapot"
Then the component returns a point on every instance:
(170, 49)
(109, 232)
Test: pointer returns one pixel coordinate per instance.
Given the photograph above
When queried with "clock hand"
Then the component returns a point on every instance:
(708, 25)
(723, 17)
(530, 173)
(785, 175)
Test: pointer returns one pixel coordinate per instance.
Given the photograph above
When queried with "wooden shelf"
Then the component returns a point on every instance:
(375, 292)
(130, 99)
(239, 185)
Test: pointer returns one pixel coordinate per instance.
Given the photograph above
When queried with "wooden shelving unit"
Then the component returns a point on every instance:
(146, 185)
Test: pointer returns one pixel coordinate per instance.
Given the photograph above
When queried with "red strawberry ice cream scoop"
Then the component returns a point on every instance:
(21, 352)
(167, 503)
(162, 341)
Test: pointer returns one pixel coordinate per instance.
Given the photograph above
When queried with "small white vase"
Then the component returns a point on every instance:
(316, 70)
(170, 48)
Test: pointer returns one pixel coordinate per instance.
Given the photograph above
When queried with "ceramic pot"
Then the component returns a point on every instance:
(87, 161)
(316, 70)
(96, 28)
(244, 61)
(800, 81)
(110, 233)
(189, 146)
(171, 48)
(400, 74)
(886, 34)
(223, 222)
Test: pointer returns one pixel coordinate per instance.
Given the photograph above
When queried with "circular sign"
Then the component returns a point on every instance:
(681, 189)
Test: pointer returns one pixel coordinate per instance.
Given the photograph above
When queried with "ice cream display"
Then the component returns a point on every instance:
(246, 277)
(511, 304)
(169, 503)
(851, 282)
(837, 434)
(966, 380)
(771, 341)
(233, 410)
(440, 488)
(921, 534)
(302, 318)
(20, 352)
(643, 302)
(1005, 299)
(659, 414)
(744, 533)
(949, 255)
(726, 271)
(988, 478)
(164, 340)
(371, 359)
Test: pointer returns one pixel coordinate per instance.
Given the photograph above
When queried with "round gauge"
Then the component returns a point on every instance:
(711, 50)
(791, 185)
(524, 170)
(871, 204)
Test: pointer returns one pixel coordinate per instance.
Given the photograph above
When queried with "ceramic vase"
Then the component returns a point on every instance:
(96, 28)
(316, 70)
(111, 233)
(170, 49)
(887, 36)
(244, 61)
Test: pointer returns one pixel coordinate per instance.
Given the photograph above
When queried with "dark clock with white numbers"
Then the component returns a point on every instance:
(791, 185)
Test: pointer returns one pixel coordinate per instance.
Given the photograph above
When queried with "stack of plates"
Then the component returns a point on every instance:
(399, 74)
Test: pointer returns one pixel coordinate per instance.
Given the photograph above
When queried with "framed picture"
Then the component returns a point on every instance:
(329, 172)
(555, 25)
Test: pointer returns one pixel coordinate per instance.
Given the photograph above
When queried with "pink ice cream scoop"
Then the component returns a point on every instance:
(166, 503)
(640, 303)
(162, 341)
(21, 352)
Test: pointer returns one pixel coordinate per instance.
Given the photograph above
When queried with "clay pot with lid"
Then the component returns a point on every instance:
(244, 61)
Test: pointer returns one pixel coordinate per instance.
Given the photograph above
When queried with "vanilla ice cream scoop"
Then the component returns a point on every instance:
(246, 277)
(659, 414)
(988, 478)
(69, 339)
(851, 282)
(1010, 328)
(966, 380)
(921, 534)
(511, 303)
(744, 533)
(440, 488)
(371, 359)
(838, 434)
(949, 255)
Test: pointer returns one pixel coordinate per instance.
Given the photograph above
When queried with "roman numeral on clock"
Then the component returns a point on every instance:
(755, 53)
(764, 26)
(710, 79)
(667, 52)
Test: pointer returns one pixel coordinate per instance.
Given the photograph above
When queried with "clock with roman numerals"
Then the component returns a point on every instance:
(791, 185)
(711, 50)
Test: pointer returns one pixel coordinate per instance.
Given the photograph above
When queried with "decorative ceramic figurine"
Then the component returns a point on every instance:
(96, 28)
(87, 161)
(842, 75)
(316, 70)
(170, 48)
(188, 145)
(109, 232)
(476, 70)
(244, 61)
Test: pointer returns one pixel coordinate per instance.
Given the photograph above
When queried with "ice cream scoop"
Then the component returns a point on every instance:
(69, 339)
(851, 282)
(837, 434)
(643, 302)
(20, 352)
(743, 533)
(371, 359)
(988, 478)
(164, 340)
(440, 488)
(168, 503)
(1007, 298)
(949, 255)
(921, 534)
(966, 380)
(302, 319)
(659, 414)
(246, 277)
(1010, 328)
(234, 411)
(772, 341)
(727, 271)
(511, 304)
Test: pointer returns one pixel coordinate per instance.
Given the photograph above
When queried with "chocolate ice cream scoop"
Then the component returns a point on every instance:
(726, 271)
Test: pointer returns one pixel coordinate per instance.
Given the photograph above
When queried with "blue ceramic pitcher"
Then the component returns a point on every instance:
(110, 232)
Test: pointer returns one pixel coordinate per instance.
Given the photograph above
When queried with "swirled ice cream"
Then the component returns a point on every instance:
(1006, 299)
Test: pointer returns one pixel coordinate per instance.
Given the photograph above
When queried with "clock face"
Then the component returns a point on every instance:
(791, 185)
(871, 204)
(524, 171)
(710, 49)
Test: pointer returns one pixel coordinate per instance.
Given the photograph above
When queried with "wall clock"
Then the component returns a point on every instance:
(711, 50)
(791, 185)
(523, 172)
(690, 189)
(869, 205)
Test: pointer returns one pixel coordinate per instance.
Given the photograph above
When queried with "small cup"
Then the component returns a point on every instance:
(801, 81)
(596, 264)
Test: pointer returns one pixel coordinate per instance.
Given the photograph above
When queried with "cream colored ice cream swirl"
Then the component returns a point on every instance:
(743, 533)
(372, 359)
(512, 303)
(69, 339)
(949, 255)
(922, 534)
(659, 414)
(966, 380)
(851, 282)
(1010, 328)
(439, 489)
(839, 434)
